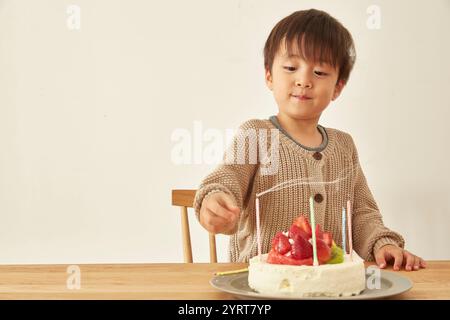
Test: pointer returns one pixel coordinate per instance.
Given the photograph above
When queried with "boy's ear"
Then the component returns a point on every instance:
(268, 78)
(338, 89)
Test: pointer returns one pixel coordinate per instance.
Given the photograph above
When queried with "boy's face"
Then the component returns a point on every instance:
(292, 77)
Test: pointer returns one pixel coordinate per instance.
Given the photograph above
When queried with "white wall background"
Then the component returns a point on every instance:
(86, 118)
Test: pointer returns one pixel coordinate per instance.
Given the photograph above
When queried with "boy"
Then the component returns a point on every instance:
(308, 58)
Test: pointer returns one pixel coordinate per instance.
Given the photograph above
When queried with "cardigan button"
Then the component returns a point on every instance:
(317, 155)
(318, 198)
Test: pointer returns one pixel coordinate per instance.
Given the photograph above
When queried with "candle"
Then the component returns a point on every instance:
(258, 230)
(313, 227)
(230, 272)
(344, 247)
(349, 221)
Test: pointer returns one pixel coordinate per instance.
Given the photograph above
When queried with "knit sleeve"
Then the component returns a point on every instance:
(236, 172)
(369, 232)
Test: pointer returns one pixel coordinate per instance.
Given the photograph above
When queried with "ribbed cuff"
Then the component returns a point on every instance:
(382, 242)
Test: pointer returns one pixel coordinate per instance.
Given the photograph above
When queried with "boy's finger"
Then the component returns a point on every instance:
(398, 256)
(422, 263)
(380, 259)
(410, 260)
(416, 263)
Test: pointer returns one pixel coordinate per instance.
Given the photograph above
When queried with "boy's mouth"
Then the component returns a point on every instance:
(301, 97)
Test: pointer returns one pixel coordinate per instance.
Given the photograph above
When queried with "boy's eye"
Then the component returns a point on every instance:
(289, 68)
(319, 73)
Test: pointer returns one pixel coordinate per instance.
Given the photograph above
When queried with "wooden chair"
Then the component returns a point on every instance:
(185, 199)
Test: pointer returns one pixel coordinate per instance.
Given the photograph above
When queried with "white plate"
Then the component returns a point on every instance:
(237, 284)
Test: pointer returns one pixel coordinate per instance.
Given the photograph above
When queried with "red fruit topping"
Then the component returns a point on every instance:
(328, 239)
(276, 258)
(303, 223)
(301, 248)
(295, 231)
(323, 251)
(300, 252)
(319, 232)
(281, 243)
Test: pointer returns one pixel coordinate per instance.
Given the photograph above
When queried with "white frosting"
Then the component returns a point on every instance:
(331, 280)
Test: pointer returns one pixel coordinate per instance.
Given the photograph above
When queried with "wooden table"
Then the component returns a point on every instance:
(165, 281)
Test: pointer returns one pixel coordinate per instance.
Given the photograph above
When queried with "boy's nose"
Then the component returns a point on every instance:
(303, 84)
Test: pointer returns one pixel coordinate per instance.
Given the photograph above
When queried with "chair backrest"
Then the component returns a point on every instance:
(185, 199)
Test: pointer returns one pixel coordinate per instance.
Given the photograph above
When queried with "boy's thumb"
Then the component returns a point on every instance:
(230, 204)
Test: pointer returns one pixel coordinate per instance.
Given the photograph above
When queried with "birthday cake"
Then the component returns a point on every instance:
(293, 267)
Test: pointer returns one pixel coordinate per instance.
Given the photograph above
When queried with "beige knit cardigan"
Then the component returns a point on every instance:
(331, 175)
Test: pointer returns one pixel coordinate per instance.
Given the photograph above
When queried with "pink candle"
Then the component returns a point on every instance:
(258, 230)
(349, 221)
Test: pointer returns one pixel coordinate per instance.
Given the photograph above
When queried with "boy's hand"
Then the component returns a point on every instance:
(400, 256)
(219, 213)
